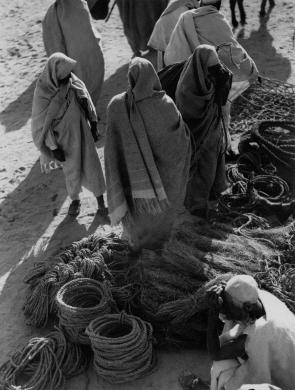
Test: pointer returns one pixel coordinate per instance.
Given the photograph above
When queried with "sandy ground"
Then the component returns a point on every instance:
(33, 206)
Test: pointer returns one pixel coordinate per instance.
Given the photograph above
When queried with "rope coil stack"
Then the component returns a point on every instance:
(122, 346)
(79, 302)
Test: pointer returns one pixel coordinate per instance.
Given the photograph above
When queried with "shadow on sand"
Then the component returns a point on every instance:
(18, 112)
(259, 45)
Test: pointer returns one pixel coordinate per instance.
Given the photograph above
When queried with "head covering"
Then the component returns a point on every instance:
(243, 289)
(57, 68)
(175, 4)
(209, 2)
(143, 80)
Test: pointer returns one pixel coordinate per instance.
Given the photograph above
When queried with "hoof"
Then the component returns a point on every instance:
(234, 23)
(262, 13)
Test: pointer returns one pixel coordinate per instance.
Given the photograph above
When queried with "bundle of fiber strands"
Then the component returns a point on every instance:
(196, 254)
(91, 258)
(79, 302)
(34, 367)
(122, 346)
(280, 281)
(265, 100)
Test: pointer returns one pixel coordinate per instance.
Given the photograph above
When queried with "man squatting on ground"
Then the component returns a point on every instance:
(257, 344)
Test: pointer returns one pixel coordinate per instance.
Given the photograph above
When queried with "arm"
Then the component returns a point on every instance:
(231, 349)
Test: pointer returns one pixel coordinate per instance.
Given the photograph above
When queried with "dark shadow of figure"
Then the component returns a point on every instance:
(18, 112)
(243, 16)
(259, 45)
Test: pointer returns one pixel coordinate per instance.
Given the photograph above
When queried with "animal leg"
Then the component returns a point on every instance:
(262, 8)
(233, 15)
(242, 12)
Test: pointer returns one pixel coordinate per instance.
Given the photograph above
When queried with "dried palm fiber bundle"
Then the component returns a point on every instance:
(73, 359)
(280, 281)
(265, 100)
(79, 302)
(123, 347)
(197, 253)
(33, 367)
(88, 257)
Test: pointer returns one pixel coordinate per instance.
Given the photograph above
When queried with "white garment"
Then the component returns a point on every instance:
(270, 346)
(223, 370)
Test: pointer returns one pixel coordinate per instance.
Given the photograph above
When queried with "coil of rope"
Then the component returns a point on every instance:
(277, 144)
(73, 359)
(79, 302)
(258, 192)
(122, 346)
(34, 367)
(93, 257)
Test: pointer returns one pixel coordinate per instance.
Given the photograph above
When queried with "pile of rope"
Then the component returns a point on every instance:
(160, 286)
(261, 192)
(91, 257)
(277, 140)
(266, 99)
(44, 362)
(122, 346)
(79, 302)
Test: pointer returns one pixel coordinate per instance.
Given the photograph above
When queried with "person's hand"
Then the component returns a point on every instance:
(59, 155)
(215, 299)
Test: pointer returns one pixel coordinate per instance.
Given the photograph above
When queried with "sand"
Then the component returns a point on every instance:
(33, 206)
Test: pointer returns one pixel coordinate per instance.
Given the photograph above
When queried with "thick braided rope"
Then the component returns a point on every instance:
(79, 302)
(122, 346)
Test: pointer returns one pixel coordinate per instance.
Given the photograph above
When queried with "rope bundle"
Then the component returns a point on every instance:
(34, 367)
(122, 346)
(87, 258)
(79, 302)
(277, 139)
(44, 362)
(261, 191)
(73, 359)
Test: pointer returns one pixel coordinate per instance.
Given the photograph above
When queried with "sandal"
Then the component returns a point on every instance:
(74, 208)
